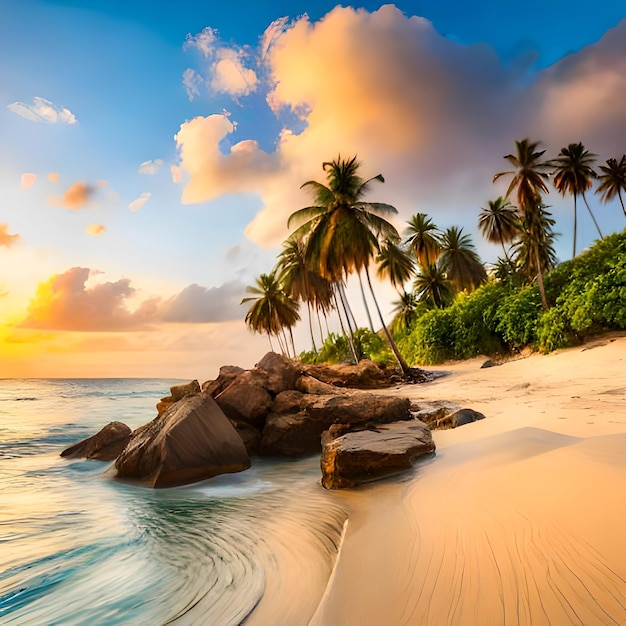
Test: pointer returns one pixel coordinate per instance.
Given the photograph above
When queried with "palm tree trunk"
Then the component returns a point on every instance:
(310, 314)
(343, 330)
(392, 344)
(293, 345)
(352, 326)
(593, 217)
(621, 201)
(575, 226)
(542, 291)
(367, 310)
(269, 336)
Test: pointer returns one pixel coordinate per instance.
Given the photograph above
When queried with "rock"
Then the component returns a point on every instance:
(246, 399)
(297, 421)
(309, 384)
(227, 374)
(281, 373)
(105, 445)
(458, 418)
(177, 392)
(488, 363)
(250, 436)
(366, 455)
(193, 440)
(365, 375)
(431, 412)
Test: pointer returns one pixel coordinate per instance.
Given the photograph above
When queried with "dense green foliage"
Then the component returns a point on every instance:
(336, 349)
(587, 295)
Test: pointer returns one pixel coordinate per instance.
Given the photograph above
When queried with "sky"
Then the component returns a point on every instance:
(151, 152)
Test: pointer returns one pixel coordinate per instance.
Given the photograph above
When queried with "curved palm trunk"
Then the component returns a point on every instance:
(506, 256)
(367, 309)
(593, 217)
(293, 345)
(343, 330)
(392, 344)
(621, 201)
(349, 313)
(269, 337)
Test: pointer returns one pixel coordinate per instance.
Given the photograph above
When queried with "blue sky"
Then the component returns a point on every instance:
(169, 230)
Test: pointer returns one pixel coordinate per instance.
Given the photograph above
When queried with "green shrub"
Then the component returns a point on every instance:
(517, 317)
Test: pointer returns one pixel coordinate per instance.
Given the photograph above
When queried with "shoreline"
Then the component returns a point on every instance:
(517, 519)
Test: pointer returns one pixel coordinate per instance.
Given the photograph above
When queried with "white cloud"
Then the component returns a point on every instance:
(150, 167)
(44, 111)
(137, 204)
(192, 82)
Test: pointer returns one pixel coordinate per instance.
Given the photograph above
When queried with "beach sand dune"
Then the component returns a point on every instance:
(519, 518)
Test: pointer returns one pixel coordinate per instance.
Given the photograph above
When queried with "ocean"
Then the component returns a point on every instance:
(79, 547)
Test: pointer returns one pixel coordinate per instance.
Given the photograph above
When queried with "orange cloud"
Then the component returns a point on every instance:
(95, 230)
(53, 177)
(6, 239)
(76, 197)
(65, 303)
(27, 181)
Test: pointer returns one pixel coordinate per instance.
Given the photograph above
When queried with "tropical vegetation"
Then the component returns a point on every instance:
(451, 305)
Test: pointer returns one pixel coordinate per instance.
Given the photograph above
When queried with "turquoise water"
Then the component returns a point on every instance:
(78, 547)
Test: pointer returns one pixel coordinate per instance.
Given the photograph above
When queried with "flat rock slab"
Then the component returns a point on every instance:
(365, 455)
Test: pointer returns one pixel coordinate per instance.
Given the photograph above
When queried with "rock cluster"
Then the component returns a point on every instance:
(277, 408)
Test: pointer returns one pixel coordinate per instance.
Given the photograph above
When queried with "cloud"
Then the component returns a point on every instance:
(65, 303)
(137, 204)
(6, 239)
(53, 177)
(212, 173)
(150, 167)
(43, 111)
(227, 68)
(433, 115)
(192, 81)
(95, 230)
(27, 181)
(197, 304)
(77, 196)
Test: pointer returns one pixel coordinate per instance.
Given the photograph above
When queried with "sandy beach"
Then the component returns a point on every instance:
(519, 518)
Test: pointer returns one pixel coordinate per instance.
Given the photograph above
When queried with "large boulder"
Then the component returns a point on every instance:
(362, 456)
(246, 399)
(105, 445)
(297, 421)
(226, 375)
(193, 440)
(280, 372)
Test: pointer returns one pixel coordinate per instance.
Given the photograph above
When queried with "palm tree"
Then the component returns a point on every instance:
(573, 175)
(343, 231)
(295, 278)
(423, 237)
(394, 264)
(529, 182)
(460, 261)
(613, 181)
(432, 286)
(499, 222)
(534, 251)
(405, 310)
(272, 310)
